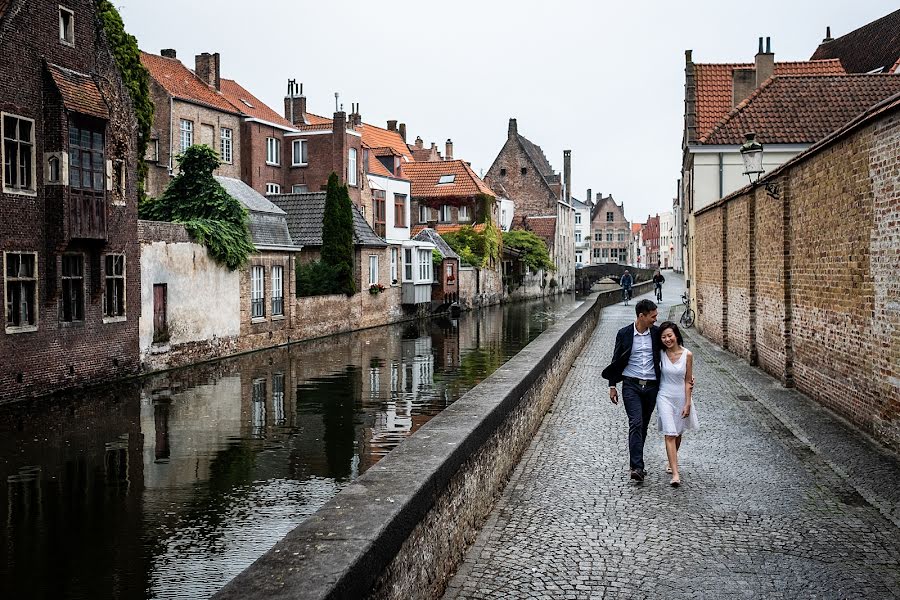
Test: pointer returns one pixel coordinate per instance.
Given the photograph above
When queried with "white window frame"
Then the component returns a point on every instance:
(394, 253)
(445, 213)
(186, 128)
(277, 289)
(352, 167)
(257, 292)
(423, 213)
(66, 30)
(299, 153)
(35, 304)
(273, 188)
(23, 191)
(373, 269)
(425, 267)
(408, 257)
(577, 237)
(578, 218)
(463, 214)
(226, 144)
(273, 151)
(107, 317)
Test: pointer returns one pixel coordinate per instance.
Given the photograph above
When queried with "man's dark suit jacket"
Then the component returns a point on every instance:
(622, 352)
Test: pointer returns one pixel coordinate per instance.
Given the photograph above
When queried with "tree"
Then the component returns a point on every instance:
(337, 235)
(195, 199)
(536, 254)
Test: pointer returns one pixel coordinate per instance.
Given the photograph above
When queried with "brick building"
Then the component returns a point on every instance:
(798, 273)
(68, 202)
(650, 237)
(609, 231)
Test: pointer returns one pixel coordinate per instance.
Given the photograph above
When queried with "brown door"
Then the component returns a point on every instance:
(160, 329)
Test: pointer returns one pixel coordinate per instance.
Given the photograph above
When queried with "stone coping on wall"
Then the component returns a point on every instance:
(162, 231)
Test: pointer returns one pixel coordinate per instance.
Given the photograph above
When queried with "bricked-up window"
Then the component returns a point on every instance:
(378, 211)
(273, 151)
(298, 153)
(278, 290)
(87, 168)
(21, 289)
(18, 154)
(273, 188)
(227, 149)
(351, 167)
(423, 213)
(373, 269)
(399, 210)
(66, 26)
(187, 134)
(72, 287)
(609, 217)
(257, 292)
(114, 285)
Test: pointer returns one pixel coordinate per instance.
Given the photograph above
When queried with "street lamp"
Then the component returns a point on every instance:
(752, 153)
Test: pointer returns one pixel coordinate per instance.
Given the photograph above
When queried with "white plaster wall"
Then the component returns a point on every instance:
(393, 186)
(666, 239)
(706, 173)
(203, 297)
(506, 210)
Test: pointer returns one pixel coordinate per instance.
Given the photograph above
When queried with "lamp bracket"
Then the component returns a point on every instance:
(773, 190)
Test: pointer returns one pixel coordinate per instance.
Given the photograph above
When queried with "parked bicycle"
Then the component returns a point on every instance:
(688, 316)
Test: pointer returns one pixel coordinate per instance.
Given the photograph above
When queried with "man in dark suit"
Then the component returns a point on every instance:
(636, 363)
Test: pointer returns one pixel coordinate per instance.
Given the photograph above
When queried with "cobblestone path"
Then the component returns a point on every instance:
(769, 507)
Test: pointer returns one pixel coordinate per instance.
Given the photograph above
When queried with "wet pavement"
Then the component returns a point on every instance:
(779, 497)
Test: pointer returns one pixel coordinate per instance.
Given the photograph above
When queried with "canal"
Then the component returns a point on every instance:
(169, 486)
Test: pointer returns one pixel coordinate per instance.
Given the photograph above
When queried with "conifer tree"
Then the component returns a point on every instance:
(337, 235)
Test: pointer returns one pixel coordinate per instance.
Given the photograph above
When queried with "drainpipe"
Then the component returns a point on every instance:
(721, 175)
(171, 126)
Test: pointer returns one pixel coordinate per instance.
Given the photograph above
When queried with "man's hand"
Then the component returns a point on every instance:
(614, 395)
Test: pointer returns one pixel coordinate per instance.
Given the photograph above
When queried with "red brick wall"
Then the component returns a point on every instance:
(738, 273)
(528, 192)
(708, 279)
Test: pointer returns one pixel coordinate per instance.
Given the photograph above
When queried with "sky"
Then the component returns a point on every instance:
(604, 79)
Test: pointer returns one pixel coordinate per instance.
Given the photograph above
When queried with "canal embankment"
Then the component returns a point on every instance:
(400, 529)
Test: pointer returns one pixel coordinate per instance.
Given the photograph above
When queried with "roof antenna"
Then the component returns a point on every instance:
(336, 98)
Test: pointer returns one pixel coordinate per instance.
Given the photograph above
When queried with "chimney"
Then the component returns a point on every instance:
(828, 37)
(206, 66)
(513, 129)
(339, 144)
(420, 145)
(295, 103)
(567, 173)
(402, 131)
(448, 150)
(355, 117)
(589, 200)
(765, 62)
(167, 53)
(392, 125)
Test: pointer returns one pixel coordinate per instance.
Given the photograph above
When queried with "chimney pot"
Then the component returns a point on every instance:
(688, 56)
(567, 173)
(760, 51)
(168, 53)
(419, 143)
(513, 128)
(448, 150)
(392, 125)
(403, 131)
(828, 37)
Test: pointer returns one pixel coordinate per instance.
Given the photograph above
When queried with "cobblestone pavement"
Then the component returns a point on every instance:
(769, 507)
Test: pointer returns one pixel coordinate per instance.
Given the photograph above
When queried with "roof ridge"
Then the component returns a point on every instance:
(860, 28)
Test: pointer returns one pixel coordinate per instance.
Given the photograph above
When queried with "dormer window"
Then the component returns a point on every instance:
(66, 26)
(446, 179)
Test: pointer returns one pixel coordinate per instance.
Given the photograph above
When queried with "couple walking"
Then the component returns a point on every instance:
(656, 371)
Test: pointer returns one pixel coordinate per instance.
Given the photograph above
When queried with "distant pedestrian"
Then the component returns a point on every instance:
(675, 409)
(636, 363)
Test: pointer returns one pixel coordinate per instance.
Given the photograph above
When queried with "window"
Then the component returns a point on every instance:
(278, 290)
(446, 179)
(21, 289)
(445, 213)
(578, 218)
(605, 253)
(66, 26)
(425, 265)
(596, 252)
(399, 210)
(87, 169)
(54, 170)
(598, 237)
(577, 237)
(407, 264)
(187, 134)
(373, 269)
(273, 188)
(298, 153)
(393, 266)
(463, 214)
(609, 217)
(258, 411)
(18, 154)
(72, 288)
(225, 135)
(278, 397)
(524, 171)
(378, 211)
(621, 236)
(114, 289)
(299, 189)
(502, 172)
(609, 236)
(257, 292)
(351, 167)
(273, 151)
(579, 258)
(423, 213)
(153, 150)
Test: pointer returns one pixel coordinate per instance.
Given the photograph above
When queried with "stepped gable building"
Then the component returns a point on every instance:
(68, 202)
(873, 48)
(609, 231)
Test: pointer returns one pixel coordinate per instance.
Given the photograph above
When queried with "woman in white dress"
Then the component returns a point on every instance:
(673, 402)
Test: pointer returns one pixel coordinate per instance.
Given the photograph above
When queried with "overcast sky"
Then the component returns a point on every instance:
(604, 79)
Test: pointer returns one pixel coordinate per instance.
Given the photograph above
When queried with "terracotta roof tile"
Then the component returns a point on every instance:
(803, 110)
(424, 177)
(182, 83)
(376, 137)
(715, 97)
(376, 168)
(384, 152)
(543, 227)
(250, 105)
(79, 92)
(317, 120)
(636, 228)
(875, 45)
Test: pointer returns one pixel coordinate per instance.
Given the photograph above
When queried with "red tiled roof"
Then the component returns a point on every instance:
(636, 228)
(376, 137)
(715, 96)
(384, 152)
(182, 83)
(424, 177)
(79, 92)
(543, 227)
(803, 110)
(376, 168)
(875, 45)
(317, 120)
(253, 107)
(445, 228)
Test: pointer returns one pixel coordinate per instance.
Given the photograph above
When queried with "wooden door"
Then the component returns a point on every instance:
(160, 328)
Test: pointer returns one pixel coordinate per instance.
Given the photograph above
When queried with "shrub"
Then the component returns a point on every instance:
(537, 256)
(316, 279)
(478, 248)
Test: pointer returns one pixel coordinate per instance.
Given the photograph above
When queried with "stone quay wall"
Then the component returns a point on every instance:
(803, 279)
(403, 527)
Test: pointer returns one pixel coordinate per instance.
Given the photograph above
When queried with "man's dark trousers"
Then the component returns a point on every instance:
(639, 403)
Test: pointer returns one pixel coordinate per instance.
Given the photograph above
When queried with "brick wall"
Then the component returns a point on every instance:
(269, 330)
(806, 283)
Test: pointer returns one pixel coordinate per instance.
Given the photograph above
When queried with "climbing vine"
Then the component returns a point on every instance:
(478, 247)
(537, 256)
(137, 80)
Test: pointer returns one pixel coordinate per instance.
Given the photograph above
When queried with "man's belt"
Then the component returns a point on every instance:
(640, 382)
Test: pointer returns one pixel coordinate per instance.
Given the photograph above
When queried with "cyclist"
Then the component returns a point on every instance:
(658, 280)
(626, 282)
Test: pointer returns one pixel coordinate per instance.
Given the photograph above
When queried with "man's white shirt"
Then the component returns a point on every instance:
(640, 363)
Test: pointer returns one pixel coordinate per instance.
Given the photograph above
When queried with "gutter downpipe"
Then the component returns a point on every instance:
(721, 175)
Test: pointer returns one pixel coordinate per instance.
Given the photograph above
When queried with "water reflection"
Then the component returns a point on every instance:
(169, 486)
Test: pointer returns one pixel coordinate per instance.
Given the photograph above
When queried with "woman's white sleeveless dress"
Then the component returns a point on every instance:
(670, 399)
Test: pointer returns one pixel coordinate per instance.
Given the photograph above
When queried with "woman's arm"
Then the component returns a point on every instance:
(688, 384)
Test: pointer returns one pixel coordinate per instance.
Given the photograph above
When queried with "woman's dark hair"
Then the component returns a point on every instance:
(675, 330)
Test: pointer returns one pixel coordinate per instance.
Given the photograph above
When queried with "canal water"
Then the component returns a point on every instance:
(169, 486)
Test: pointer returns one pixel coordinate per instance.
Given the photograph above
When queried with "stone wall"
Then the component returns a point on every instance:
(479, 287)
(318, 316)
(804, 281)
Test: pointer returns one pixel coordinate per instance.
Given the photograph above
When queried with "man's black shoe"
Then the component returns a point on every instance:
(637, 475)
